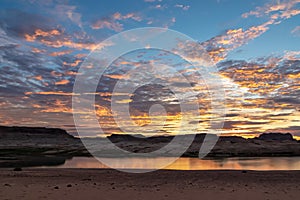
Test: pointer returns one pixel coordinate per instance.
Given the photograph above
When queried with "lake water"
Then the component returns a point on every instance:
(267, 163)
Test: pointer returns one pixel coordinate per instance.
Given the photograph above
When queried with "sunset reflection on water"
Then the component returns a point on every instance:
(267, 163)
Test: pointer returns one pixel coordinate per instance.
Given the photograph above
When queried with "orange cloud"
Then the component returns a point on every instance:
(36, 50)
(36, 106)
(71, 73)
(76, 62)
(48, 39)
(116, 76)
(80, 55)
(62, 82)
(58, 107)
(39, 78)
(294, 76)
(69, 43)
(51, 93)
(60, 53)
(102, 111)
(41, 33)
(56, 74)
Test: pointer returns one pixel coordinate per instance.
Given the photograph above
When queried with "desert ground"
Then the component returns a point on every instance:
(37, 183)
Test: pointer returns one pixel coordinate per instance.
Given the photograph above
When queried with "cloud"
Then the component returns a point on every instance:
(58, 106)
(243, 124)
(113, 22)
(74, 64)
(61, 53)
(269, 83)
(288, 100)
(17, 23)
(39, 29)
(56, 39)
(292, 55)
(285, 8)
(296, 31)
(5, 40)
(38, 77)
(69, 12)
(62, 82)
(297, 128)
(38, 33)
(219, 46)
(40, 58)
(60, 93)
(119, 16)
(160, 7)
(60, 9)
(109, 24)
(183, 7)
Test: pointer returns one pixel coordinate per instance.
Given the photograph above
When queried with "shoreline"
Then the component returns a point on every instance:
(47, 183)
(59, 161)
(34, 146)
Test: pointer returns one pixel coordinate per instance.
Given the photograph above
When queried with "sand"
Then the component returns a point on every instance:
(111, 184)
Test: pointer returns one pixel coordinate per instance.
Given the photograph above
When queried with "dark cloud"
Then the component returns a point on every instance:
(17, 23)
(288, 100)
(232, 115)
(295, 128)
(235, 124)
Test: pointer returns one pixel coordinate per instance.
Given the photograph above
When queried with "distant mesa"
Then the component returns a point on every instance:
(42, 133)
(20, 132)
(276, 136)
(37, 146)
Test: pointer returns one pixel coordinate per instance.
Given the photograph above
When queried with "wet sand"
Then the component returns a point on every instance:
(163, 184)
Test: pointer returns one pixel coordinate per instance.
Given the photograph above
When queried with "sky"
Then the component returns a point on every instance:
(254, 45)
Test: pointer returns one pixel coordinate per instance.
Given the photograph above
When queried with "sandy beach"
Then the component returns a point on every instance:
(163, 184)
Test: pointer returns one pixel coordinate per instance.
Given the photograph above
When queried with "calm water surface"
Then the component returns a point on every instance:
(267, 163)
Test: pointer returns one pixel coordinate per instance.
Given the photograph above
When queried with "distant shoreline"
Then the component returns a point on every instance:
(76, 136)
(33, 146)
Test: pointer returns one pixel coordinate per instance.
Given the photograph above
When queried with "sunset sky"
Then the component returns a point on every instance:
(255, 45)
